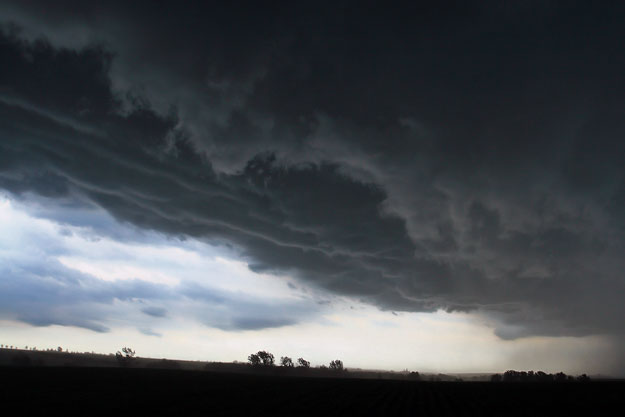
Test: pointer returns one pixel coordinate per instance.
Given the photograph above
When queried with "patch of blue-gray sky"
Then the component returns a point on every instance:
(39, 289)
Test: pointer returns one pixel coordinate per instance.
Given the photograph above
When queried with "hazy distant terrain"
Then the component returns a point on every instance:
(50, 383)
(51, 358)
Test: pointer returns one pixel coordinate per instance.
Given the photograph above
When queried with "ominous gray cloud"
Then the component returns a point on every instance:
(463, 157)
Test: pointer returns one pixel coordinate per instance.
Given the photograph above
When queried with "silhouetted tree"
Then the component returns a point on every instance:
(543, 377)
(286, 362)
(583, 378)
(511, 376)
(303, 363)
(59, 349)
(261, 358)
(266, 358)
(495, 378)
(254, 359)
(125, 357)
(539, 376)
(336, 365)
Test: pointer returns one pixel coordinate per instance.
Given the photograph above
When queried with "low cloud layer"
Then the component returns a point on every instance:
(468, 160)
(145, 285)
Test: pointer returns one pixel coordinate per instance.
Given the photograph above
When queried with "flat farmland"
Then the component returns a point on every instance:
(33, 391)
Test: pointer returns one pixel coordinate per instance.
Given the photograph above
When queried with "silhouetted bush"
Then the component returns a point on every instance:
(336, 365)
(303, 363)
(286, 362)
(560, 377)
(539, 376)
(125, 357)
(543, 377)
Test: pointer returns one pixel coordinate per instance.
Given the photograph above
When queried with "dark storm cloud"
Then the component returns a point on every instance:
(462, 157)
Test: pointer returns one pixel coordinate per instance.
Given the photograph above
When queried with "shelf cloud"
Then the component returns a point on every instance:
(470, 160)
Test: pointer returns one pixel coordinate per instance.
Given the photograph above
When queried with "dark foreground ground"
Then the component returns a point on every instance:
(34, 391)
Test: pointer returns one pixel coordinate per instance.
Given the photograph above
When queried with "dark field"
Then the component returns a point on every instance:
(34, 391)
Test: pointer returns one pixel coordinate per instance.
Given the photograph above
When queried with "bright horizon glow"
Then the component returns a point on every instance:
(324, 326)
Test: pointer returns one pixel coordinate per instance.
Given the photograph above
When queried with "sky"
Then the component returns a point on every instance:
(437, 188)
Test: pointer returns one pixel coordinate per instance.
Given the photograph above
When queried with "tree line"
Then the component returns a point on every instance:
(266, 359)
(539, 376)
